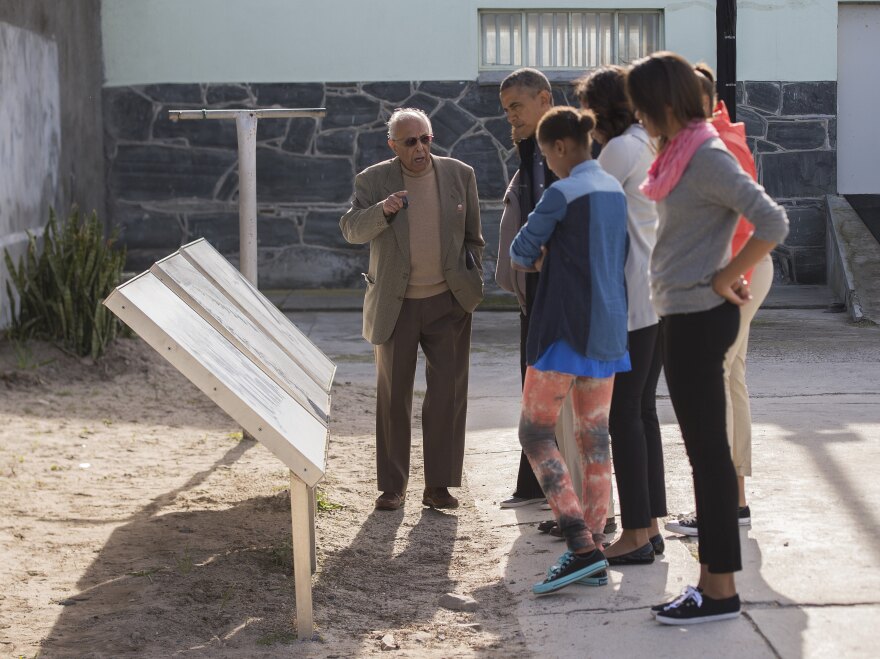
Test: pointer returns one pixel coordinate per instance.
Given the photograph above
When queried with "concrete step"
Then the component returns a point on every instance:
(782, 296)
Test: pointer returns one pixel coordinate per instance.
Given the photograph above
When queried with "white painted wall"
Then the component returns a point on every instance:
(155, 41)
(166, 41)
(788, 40)
(30, 140)
(858, 144)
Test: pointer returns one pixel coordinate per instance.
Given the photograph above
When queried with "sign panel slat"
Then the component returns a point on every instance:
(182, 277)
(265, 314)
(225, 374)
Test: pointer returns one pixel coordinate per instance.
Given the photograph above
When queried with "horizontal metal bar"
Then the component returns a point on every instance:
(268, 113)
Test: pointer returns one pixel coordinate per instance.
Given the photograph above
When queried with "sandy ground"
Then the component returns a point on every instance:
(137, 521)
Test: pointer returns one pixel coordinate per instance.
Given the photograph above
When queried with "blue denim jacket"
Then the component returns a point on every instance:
(581, 295)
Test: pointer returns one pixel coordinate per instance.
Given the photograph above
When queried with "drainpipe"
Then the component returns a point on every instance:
(725, 40)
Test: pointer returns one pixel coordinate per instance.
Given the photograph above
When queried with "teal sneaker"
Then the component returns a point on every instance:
(598, 579)
(571, 568)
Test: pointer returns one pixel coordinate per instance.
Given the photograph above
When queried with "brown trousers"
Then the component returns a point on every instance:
(443, 329)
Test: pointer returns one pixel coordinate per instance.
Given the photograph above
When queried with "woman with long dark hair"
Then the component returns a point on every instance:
(636, 446)
(697, 289)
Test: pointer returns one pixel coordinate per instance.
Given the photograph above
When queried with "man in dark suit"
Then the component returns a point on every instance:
(421, 216)
(525, 97)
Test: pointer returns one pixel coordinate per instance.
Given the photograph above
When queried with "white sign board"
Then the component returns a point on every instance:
(265, 314)
(232, 343)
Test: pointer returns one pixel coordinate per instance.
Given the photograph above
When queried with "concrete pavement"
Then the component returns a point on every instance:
(810, 581)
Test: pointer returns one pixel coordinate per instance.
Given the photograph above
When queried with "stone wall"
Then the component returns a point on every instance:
(170, 183)
(792, 131)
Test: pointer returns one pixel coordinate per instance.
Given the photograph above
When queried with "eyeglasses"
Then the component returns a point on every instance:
(410, 142)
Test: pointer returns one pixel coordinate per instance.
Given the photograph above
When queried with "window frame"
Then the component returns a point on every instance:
(523, 13)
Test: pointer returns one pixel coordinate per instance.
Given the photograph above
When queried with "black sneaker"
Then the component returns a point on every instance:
(517, 501)
(683, 526)
(570, 568)
(693, 607)
(688, 525)
(547, 525)
(610, 526)
(657, 608)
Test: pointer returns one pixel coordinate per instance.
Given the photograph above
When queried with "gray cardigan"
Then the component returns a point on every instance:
(697, 221)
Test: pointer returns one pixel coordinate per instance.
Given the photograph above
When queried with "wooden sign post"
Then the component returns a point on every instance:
(224, 336)
(246, 126)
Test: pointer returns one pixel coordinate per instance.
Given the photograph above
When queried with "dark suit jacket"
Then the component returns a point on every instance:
(389, 269)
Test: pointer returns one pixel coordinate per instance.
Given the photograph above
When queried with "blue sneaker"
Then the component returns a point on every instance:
(571, 568)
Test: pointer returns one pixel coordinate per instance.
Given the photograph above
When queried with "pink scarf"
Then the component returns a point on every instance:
(667, 168)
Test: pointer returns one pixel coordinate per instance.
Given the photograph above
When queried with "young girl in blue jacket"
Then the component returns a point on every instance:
(577, 238)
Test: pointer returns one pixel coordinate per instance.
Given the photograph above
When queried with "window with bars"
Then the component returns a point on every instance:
(567, 39)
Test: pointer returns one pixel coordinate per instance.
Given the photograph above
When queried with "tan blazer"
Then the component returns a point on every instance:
(388, 274)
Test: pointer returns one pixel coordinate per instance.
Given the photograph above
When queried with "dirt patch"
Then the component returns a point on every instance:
(136, 521)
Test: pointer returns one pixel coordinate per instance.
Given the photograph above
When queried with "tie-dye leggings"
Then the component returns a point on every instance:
(543, 394)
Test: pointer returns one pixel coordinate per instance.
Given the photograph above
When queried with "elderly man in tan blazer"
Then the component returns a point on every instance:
(421, 216)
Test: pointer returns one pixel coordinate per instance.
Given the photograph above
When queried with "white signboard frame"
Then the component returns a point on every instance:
(225, 337)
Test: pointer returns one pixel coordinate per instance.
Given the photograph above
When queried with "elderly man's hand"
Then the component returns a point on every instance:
(394, 203)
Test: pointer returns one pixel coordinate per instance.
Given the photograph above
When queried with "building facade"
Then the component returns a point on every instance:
(170, 183)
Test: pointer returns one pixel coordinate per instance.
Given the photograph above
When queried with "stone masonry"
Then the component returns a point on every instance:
(171, 183)
(792, 130)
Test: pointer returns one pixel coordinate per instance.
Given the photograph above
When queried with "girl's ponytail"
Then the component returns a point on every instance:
(565, 122)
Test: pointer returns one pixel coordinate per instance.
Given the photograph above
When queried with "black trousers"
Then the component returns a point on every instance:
(527, 485)
(637, 449)
(694, 345)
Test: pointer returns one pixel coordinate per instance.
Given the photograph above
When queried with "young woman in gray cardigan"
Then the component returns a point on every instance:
(697, 289)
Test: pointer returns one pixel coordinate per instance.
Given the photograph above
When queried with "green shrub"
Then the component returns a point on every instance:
(62, 287)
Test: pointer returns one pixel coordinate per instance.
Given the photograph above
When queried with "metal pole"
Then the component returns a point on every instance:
(246, 123)
(269, 113)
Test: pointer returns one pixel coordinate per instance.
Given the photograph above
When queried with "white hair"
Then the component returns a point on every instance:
(401, 114)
